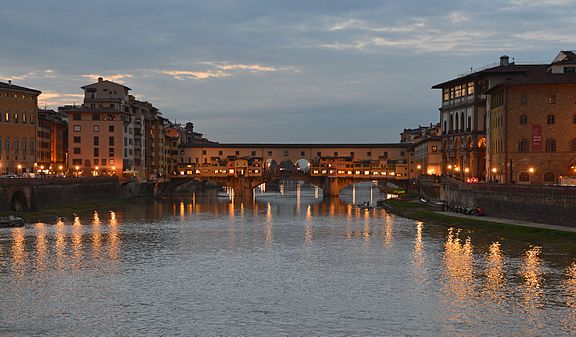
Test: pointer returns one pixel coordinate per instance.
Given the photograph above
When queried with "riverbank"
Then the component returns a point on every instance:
(69, 209)
(417, 210)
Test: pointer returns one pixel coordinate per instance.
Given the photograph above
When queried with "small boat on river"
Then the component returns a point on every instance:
(11, 221)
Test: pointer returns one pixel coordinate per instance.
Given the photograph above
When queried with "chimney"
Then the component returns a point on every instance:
(504, 60)
(100, 79)
(9, 82)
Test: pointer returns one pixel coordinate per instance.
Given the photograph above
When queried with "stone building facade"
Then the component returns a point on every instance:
(532, 131)
(18, 126)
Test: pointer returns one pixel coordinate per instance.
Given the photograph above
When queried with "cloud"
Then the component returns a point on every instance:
(540, 3)
(119, 78)
(48, 73)
(52, 98)
(547, 36)
(221, 69)
(196, 75)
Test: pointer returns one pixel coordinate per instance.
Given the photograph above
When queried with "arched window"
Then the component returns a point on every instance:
(523, 119)
(549, 177)
(451, 122)
(573, 145)
(550, 119)
(550, 145)
(523, 145)
(574, 119)
(462, 121)
(524, 176)
(457, 125)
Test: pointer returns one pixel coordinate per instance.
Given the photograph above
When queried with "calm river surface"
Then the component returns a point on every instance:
(286, 264)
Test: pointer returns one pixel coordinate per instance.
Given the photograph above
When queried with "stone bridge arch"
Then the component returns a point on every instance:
(18, 198)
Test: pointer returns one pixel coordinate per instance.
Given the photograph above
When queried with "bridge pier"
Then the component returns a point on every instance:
(332, 186)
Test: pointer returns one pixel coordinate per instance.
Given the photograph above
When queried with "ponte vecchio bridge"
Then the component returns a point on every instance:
(331, 167)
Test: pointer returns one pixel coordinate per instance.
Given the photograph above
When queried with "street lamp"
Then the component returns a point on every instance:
(531, 170)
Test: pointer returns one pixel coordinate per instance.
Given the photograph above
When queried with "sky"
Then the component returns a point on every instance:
(276, 71)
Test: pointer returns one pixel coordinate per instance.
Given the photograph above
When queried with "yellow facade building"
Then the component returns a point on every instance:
(18, 125)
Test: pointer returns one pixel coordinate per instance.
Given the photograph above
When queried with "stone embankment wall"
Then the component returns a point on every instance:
(44, 193)
(545, 204)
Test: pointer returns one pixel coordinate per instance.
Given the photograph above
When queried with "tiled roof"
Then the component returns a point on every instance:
(10, 86)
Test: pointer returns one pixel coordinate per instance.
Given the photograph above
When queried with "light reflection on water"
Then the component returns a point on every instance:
(286, 263)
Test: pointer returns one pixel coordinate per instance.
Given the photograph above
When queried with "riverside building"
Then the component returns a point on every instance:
(101, 131)
(463, 117)
(18, 125)
(532, 118)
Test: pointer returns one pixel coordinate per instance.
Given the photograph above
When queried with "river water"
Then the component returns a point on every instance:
(285, 264)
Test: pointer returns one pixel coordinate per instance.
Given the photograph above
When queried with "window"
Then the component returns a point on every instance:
(550, 119)
(302, 153)
(335, 154)
(523, 119)
(524, 176)
(285, 153)
(446, 94)
(7, 117)
(110, 141)
(523, 145)
(552, 99)
(470, 88)
(569, 69)
(76, 128)
(269, 153)
(111, 128)
(76, 161)
(319, 154)
(237, 153)
(76, 139)
(96, 141)
(434, 148)
(469, 123)
(76, 150)
(385, 154)
(111, 162)
(111, 152)
(402, 153)
(253, 153)
(96, 152)
(550, 145)
(523, 98)
(23, 118)
(549, 177)
(573, 145)
(95, 117)
(204, 152)
(96, 128)
(103, 161)
(369, 153)
(96, 161)
(76, 117)
(351, 153)
(219, 153)
(574, 119)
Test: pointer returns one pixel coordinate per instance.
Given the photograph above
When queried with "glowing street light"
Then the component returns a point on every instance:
(494, 170)
(531, 170)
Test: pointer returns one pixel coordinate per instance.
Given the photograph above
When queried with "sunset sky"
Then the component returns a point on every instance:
(276, 71)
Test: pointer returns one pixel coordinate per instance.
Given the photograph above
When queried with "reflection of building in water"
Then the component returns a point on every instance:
(531, 273)
(458, 267)
(96, 237)
(494, 272)
(77, 242)
(418, 256)
(570, 290)
(268, 227)
(19, 251)
(388, 231)
(113, 237)
(41, 246)
(308, 229)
